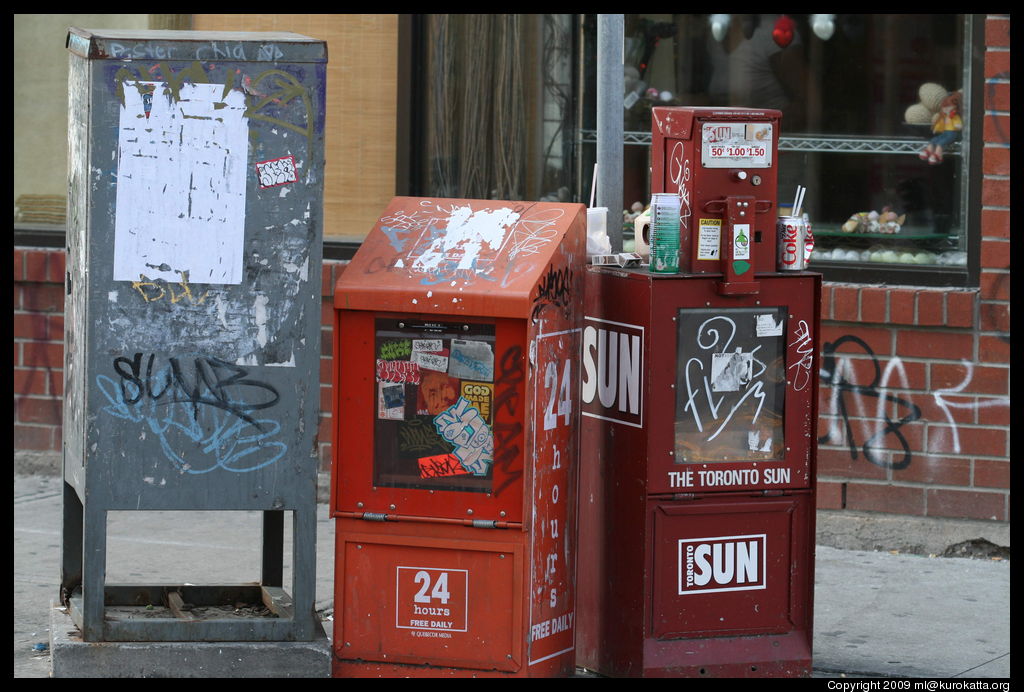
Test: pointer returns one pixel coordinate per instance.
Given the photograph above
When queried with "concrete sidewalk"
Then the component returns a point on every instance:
(876, 613)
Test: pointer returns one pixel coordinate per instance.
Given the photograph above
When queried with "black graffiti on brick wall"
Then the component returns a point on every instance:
(874, 448)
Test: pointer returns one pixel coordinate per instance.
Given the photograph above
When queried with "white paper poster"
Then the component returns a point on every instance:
(181, 179)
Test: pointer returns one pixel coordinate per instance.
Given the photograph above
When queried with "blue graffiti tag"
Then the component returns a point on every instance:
(208, 416)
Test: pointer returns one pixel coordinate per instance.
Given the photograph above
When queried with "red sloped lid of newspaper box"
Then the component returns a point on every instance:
(459, 256)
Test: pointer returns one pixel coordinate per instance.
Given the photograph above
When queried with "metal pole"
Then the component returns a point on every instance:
(610, 88)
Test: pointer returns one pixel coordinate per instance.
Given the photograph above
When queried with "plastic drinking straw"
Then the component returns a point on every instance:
(799, 200)
(593, 187)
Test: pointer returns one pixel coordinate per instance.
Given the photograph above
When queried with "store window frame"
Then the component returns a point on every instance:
(970, 151)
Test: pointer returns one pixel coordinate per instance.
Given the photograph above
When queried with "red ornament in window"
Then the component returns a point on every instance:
(783, 31)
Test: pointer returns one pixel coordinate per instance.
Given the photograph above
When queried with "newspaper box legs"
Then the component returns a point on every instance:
(457, 334)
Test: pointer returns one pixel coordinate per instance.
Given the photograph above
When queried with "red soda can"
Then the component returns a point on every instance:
(795, 242)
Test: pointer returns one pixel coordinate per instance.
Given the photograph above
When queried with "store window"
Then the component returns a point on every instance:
(490, 111)
(877, 125)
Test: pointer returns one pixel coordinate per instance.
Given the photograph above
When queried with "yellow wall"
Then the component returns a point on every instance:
(360, 134)
(41, 96)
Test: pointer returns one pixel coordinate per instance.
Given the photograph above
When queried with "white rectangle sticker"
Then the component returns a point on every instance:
(709, 239)
(732, 144)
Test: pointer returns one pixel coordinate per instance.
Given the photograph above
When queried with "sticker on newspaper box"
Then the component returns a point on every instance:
(276, 172)
(432, 598)
(722, 563)
(727, 145)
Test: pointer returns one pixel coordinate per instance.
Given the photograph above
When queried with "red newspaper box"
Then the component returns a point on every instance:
(456, 342)
(699, 396)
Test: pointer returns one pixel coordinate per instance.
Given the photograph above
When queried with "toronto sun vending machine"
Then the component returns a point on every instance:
(697, 486)
(457, 334)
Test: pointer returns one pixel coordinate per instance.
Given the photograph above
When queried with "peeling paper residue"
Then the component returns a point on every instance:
(260, 317)
(465, 235)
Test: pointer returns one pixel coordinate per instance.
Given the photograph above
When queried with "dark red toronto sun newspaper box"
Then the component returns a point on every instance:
(698, 394)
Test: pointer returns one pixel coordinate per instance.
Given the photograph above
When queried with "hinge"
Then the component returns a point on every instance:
(374, 516)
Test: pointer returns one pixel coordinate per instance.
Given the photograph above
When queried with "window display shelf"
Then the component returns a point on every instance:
(810, 143)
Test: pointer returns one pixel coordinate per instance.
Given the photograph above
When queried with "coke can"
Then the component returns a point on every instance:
(795, 242)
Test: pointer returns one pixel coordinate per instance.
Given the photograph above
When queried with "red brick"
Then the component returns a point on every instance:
(885, 498)
(941, 407)
(874, 304)
(56, 380)
(931, 308)
(43, 298)
(33, 437)
(997, 64)
(327, 281)
(995, 192)
(840, 462)
(995, 223)
(31, 325)
(324, 453)
(995, 317)
(968, 504)
(968, 440)
(56, 267)
(30, 381)
(326, 314)
(38, 410)
(913, 343)
(326, 368)
(326, 342)
(997, 128)
(993, 349)
(996, 160)
(901, 306)
(830, 495)
(40, 354)
(881, 373)
(997, 32)
(19, 265)
(36, 269)
(907, 438)
(826, 302)
(995, 253)
(55, 322)
(845, 303)
(936, 471)
(992, 473)
(995, 285)
(970, 378)
(326, 399)
(960, 308)
(878, 339)
(993, 410)
(324, 430)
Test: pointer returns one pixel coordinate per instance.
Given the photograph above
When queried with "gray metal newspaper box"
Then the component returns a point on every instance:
(192, 336)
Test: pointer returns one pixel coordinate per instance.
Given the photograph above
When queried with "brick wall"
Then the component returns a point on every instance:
(914, 399)
(38, 349)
